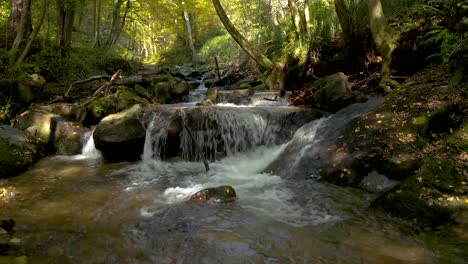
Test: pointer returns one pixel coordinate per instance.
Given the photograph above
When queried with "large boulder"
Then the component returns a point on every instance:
(16, 152)
(71, 112)
(220, 194)
(122, 98)
(334, 93)
(212, 94)
(179, 91)
(121, 136)
(60, 135)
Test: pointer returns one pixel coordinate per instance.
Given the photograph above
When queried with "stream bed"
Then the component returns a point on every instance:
(80, 209)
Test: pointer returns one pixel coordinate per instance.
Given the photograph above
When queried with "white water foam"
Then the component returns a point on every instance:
(261, 193)
(89, 150)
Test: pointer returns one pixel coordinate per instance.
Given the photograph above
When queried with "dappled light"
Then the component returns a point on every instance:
(233, 131)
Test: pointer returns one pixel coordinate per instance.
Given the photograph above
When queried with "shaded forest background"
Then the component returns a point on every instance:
(47, 44)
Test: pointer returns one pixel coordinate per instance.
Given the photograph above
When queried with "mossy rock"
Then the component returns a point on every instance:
(100, 107)
(440, 173)
(459, 138)
(16, 152)
(407, 203)
(127, 97)
(161, 91)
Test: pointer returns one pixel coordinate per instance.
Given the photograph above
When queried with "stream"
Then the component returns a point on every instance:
(79, 209)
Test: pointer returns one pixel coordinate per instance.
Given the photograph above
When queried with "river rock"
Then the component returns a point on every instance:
(167, 128)
(240, 96)
(220, 194)
(16, 152)
(212, 94)
(179, 91)
(122, 98)
(71, 112)
(121, 136)
(61, 136)
(334, 93)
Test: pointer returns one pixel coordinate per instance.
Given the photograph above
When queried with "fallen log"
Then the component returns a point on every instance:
(93, 78)
(104, 89)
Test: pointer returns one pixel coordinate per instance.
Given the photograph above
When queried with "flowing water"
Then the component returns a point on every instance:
(82, 210)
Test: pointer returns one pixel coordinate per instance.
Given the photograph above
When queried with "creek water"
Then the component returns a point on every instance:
(82, 210)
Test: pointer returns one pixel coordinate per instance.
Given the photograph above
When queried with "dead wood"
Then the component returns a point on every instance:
(104, 89)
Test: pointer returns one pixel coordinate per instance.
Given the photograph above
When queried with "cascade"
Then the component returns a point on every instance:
(89, 151)
(302, 156)
(220, 131)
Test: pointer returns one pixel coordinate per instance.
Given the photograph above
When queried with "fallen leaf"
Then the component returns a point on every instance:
(357, 129)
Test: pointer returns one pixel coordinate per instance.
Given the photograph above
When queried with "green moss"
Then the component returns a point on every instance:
(406, 202)
(440, 173)
(126, 98)
(459, 138)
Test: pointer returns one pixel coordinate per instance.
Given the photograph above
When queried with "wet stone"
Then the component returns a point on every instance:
(220, 194)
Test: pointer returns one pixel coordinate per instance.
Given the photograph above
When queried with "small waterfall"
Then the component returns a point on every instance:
(89, 151)
(219, 131)
(202, 84)
(304, 152)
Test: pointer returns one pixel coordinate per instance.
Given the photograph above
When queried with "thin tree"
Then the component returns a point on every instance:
(33, 35)
(20, 33)
(385, 39)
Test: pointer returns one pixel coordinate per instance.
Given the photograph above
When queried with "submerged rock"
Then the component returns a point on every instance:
(121, 136)
(220, 194)
(16, 152)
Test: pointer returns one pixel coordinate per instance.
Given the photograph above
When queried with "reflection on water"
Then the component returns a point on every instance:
(83, 211)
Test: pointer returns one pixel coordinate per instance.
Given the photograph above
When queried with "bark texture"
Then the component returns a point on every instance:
(384, 37)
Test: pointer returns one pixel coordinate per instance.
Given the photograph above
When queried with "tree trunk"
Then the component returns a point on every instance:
(97, 22)
(17, 8)
(344, 16)
(188, 26)
(65, 19)
(19, 34)
(124, 18)
(255, 54)
(298, 20)
(33, 35)
(115, 28)
(384, 37)
(354, 39)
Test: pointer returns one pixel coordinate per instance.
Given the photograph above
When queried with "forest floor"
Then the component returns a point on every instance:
(418, 135)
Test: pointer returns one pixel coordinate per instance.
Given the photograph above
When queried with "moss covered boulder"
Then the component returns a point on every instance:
(121, 136)
(17, 153)
(121, 99)
(418, 136)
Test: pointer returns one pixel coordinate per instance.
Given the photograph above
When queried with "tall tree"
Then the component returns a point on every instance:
(33, 35)
(20, 33)
(65, 19)
(347, 13)
(97, 22)
(385, 39)
(255, 54)
(188, 26)
(18, 7)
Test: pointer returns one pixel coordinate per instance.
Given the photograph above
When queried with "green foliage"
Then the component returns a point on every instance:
(448, 33)
(222, 46)
(324, 20)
